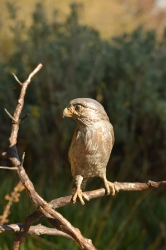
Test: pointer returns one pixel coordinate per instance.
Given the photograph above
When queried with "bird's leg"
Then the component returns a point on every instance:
(78, 192)
(110, 186)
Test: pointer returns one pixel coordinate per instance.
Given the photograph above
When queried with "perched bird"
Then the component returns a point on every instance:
(91, 145)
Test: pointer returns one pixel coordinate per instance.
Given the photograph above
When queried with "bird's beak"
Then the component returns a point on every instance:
(67, 113)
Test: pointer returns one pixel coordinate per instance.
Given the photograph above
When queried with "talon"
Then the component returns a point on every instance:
(110, 187)
(80, 195)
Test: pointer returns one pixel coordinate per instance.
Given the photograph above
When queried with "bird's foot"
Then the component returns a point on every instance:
(110, 187)
(78, 193)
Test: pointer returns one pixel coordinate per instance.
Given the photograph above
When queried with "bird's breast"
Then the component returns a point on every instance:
(90, 149)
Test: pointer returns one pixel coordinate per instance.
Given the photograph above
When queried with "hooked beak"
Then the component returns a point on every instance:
(67, 113)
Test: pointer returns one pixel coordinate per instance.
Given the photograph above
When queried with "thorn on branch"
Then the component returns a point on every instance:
(24, 117)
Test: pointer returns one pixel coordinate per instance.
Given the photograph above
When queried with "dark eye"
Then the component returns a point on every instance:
(78, 107)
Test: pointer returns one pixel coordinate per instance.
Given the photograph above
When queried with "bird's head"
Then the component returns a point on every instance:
(85, 111)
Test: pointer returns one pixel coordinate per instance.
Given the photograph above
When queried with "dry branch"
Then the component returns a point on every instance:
(8, 168)
(61, 223)
(36, 230)
(121, 186)
(56, 218)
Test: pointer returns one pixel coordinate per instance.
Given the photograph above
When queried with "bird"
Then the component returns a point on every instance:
(91, 145)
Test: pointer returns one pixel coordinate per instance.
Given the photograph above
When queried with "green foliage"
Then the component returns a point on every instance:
(127, 75)
(135, 85)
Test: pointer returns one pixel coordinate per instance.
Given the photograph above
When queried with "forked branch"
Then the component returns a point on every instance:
(55, 218)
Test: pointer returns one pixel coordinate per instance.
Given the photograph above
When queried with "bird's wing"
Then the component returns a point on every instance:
(99, 142)
(77, 153)
(106, 142)
(90, 146)
(112, 134)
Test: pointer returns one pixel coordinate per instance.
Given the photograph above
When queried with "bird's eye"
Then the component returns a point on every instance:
(78, 108)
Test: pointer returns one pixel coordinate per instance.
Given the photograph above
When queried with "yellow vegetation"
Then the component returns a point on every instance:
(110, 17)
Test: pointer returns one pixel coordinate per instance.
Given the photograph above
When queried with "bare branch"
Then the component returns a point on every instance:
(34, 72)
(20, 83)
(8, 168)
(121, 186)
(22, 160)
(24, 117)
(19, 107)
(10, 115)
(12, 228)
(61, 223)
(40, 229)
(35, 230)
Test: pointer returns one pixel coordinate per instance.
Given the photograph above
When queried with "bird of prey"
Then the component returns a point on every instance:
(91, 145)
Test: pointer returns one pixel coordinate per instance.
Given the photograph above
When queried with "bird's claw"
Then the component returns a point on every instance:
(80, 195)
(111, 188)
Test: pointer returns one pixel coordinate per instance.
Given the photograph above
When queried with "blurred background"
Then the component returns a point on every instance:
(115, 52)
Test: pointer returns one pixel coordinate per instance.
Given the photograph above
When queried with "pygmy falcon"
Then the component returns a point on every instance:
(91, 145)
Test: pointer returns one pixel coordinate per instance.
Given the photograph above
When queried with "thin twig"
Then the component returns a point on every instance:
(8, 168)
(34, 72)
(17, 79)
(19, 107)
(24, 117)
(23, 157)
(7, 112)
